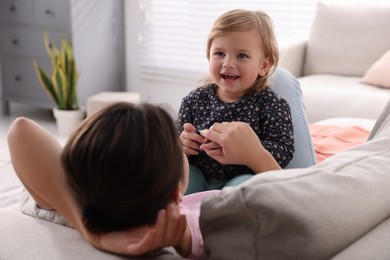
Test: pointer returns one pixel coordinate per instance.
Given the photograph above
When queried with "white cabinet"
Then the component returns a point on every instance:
(95, 28)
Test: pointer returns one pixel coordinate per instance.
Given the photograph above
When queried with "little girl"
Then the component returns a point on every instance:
(242, 53)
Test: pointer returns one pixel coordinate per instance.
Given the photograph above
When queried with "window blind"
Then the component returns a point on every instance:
(173, 33)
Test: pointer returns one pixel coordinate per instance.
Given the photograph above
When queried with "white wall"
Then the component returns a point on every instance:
(169, 93)
(98, 45)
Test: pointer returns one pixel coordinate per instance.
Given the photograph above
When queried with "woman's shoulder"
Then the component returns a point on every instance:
(194, 200)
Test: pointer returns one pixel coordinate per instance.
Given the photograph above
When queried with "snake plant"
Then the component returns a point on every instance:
(61, 84)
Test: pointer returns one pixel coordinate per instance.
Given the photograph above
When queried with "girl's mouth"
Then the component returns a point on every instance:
(228, 76)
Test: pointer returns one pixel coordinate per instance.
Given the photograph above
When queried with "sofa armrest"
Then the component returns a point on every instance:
(292, 56)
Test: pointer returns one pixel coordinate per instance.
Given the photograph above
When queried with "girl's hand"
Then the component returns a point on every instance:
(191, 140)
(168, 231)
(239, 144)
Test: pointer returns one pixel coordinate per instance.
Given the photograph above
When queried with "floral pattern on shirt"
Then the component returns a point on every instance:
(268, 114)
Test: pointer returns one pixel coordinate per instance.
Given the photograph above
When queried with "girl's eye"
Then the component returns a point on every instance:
(242, 56)
(219, 54)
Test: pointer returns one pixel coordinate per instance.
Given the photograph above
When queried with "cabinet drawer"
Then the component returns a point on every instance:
(52, 12)
(16, 11)
(26, 42)
(21, 80)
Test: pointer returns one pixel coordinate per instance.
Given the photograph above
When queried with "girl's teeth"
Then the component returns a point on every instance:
(230, 76)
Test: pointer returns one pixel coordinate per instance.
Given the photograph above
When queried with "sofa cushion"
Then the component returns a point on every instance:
(328, 96)
(311, 213)
(346, 39)
(379, 73)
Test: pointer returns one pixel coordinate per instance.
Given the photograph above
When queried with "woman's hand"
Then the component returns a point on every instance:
(168, 231)
(239, 144)
(191, 140)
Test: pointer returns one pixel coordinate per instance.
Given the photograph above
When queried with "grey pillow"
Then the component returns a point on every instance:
(311, 213)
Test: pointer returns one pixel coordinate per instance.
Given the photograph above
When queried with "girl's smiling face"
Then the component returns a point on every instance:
(236, 60)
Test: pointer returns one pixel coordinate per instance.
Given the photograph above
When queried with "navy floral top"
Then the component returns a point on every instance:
(267, 113)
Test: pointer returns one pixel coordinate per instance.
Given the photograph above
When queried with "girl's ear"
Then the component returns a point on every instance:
(265, 65)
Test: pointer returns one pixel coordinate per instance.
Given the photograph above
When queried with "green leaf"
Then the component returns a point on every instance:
(60, 84)
(45, 81)
(46, 42)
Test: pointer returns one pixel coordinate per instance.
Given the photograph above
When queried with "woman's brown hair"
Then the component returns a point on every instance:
(123, 165)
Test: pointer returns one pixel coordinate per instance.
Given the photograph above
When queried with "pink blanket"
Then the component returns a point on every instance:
(329, 140)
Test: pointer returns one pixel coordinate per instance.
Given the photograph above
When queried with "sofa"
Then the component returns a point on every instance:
(344, 65)
(338, 209)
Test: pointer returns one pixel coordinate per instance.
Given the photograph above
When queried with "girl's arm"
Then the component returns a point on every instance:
(277, 133)
(239, 144)
(36, 158)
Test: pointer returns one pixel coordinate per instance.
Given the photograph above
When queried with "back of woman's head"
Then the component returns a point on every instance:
(240, 20)
(123, 165)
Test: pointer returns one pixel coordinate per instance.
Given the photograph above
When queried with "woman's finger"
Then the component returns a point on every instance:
(159, 228)
(210, 146)
(174, 226)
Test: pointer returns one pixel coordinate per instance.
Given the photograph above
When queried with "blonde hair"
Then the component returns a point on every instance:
(243, 20)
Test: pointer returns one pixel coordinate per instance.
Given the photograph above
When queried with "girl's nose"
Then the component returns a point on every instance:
(228, 62)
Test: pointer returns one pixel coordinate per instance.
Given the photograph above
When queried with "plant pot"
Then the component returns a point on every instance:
(68, 120)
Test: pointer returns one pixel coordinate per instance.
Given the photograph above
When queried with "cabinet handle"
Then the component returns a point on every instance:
(12, 8)
(18, 78)
(49, 12)
(15, 41)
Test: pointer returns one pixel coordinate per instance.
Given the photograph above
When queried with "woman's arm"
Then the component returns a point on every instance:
(36, 158)
(239, 145)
